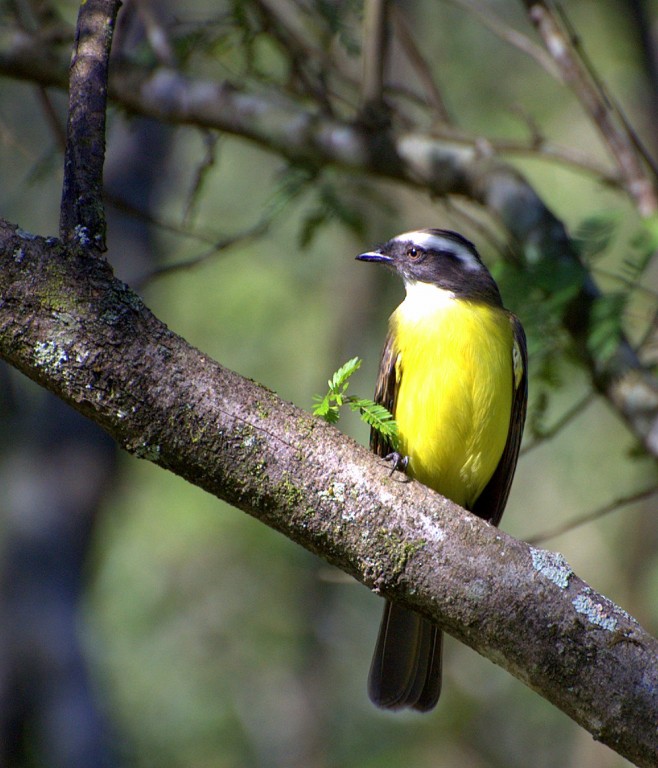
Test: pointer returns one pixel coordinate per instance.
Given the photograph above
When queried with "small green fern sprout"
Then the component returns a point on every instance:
(374, 414)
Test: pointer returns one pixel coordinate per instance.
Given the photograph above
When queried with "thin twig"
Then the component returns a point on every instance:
(642, 27)
(536, 148)
(375, 39)
(595, 102)
(511, 36)
(300, 52)
(558, 154)
(634, 286)
(224, 244)
(120, 204)
(419, 63)
(151, 15)
(605, 94)
(623, 501)
(210, 141)
(484, 229)
(568, 416)
(52, 117)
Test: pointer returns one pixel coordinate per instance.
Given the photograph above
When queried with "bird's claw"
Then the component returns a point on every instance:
(399, 462)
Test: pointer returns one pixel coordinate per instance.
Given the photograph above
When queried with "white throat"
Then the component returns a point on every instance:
(424, 299)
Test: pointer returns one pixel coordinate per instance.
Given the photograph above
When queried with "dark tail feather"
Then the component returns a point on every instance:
(432, 689)
(406, 666)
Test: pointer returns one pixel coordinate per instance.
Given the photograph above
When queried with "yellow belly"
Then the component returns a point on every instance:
(454, 370)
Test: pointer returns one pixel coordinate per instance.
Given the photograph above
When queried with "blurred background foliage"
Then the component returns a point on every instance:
(211, 641)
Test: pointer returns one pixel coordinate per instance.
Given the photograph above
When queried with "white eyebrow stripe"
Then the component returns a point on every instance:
(439, 243)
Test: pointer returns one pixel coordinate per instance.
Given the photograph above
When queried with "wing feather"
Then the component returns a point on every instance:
(385, 394)
(490, 504)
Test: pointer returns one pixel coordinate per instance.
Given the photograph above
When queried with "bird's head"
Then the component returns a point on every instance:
(438, 257)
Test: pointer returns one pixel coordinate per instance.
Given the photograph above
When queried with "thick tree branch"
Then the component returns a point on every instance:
(35, 59)
(82, 216)
(30, 58)
(68, 324)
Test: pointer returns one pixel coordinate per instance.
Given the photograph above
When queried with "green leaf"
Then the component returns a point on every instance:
(648, 237)
(340, 379)
(643, 245)
(606, 325)
(372, 413)
(321, 407)
(595, 233)
(378, 418)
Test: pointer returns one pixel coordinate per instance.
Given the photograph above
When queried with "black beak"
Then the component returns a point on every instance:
(375, 256)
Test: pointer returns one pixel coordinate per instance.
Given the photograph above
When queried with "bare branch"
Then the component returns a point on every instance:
(606, 97)
(597, 105)
(375, 47)
(596, 514)
(165, 401)
(147, 217)
(538, 148)
(418, 62)
(567, 417)
(82, 217)
(510, 35)
(151, 16)
(52, 117)
(223, 244)
(30, 57)
(27, 58)
(201, 172)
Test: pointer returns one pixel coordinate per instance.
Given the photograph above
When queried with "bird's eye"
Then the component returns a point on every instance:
(413, 252)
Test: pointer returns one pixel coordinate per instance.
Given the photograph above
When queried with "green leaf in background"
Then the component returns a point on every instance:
(606, 324)
(595, 233)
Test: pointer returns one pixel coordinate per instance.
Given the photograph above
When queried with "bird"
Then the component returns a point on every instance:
(453, 374)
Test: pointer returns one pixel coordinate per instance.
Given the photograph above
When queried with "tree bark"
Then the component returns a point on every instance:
(82, 216)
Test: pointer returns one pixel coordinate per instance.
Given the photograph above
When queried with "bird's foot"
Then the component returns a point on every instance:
(398, 460)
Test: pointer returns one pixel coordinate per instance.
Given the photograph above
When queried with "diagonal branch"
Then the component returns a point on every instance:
(421, 67)
(508, 34)
(596, 514)
(597, 105)
(67, 323)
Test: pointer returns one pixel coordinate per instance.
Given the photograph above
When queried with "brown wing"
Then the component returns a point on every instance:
(385, 394)
(491, 502)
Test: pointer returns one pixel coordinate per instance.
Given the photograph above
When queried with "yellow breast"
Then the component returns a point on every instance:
(454, 372)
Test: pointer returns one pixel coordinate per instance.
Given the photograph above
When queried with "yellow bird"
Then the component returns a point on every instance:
(454, 375)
